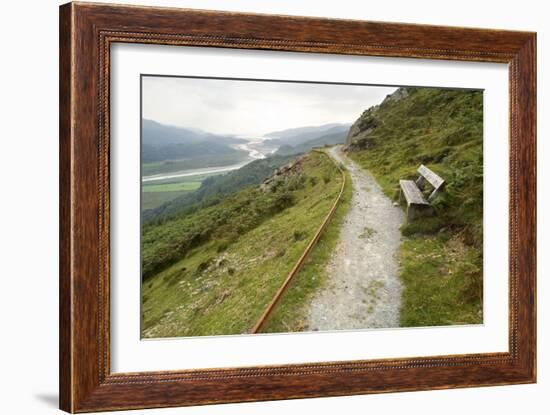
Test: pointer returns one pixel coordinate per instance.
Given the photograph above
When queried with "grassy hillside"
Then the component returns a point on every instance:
(213, 271)
(290, 315)
(443, 256)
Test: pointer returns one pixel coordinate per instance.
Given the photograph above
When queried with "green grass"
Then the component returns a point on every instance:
(441, 282)
(291, 311)
(442, 129)
(154, 195)
(243, 249)
(172, 187)
(159, 192)
(151, 200)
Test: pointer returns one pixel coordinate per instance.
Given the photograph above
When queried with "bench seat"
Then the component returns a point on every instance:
(412, 193)
(417, 205)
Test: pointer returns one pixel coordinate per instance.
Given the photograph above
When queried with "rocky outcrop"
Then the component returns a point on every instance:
(397, 95)
(282, 174)
(358, 135)
(357, 138)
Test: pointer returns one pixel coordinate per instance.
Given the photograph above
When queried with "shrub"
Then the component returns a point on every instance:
(222, 246)
(296, 182)
(282, 200)
(203, 266)
(423, 226)
(298, 235)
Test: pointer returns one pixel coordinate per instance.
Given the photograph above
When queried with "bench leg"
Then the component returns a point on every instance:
(411, 212)
(415, 211)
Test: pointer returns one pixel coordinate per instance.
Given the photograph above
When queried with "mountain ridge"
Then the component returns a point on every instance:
(329, 139)
(297, 136)
(163, 143)
(156, 133)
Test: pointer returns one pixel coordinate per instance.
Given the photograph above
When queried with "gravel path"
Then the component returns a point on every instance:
(363, 288)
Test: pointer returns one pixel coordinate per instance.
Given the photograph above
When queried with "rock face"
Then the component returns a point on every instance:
(358, 136)
(397, 95)
(282, 174)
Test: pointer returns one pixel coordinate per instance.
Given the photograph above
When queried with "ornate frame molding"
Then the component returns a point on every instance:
(86, 33)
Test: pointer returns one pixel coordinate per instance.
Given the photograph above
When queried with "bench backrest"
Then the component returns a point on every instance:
(426, 175)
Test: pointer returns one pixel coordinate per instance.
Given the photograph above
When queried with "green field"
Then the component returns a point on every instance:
(154, 195)
(213, 272)
(172, 187)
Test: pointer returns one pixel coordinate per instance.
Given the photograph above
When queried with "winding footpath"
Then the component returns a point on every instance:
(363, 289)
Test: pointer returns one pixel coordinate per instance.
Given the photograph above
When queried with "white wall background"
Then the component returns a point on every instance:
(28, 206)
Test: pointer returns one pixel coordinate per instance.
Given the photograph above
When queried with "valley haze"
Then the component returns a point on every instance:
(253, 108)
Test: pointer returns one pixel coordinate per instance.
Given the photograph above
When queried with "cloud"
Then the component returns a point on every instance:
(253, 107)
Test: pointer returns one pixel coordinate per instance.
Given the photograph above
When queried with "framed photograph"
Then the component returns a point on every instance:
(258, 207)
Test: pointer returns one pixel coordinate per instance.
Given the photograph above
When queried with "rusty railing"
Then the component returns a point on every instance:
(296, 268)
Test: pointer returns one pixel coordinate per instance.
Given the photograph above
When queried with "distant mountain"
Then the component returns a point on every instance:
(330, 139)
(292, 132)
(162, 142)
(157, 134)
(297, 136)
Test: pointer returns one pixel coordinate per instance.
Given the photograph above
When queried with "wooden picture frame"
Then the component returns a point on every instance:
(86, 33)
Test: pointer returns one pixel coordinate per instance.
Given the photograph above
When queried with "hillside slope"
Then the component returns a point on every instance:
(442, 258)
(213, 271)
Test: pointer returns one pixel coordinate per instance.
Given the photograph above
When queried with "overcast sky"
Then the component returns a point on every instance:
(253, 108)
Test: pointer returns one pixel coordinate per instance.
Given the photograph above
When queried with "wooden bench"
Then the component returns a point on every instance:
(411, 192)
